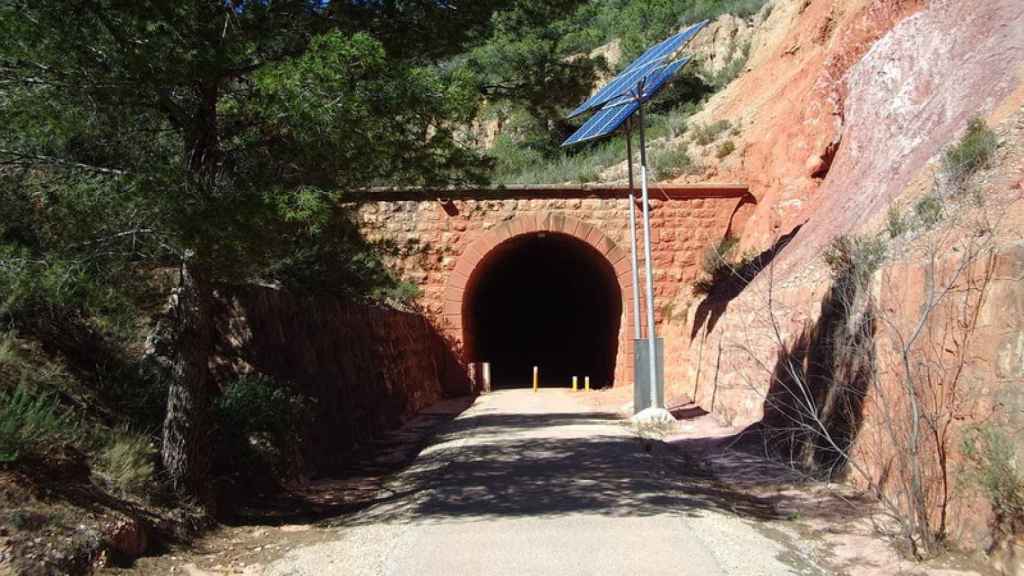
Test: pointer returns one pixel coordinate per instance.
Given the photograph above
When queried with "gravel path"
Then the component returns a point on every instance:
(540, 483)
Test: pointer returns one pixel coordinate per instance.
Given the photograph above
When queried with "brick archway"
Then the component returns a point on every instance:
(476, 253)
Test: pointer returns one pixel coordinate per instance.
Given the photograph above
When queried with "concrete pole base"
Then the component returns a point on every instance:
(653, 415)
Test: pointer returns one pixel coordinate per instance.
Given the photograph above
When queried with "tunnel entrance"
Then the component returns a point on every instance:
(544, 299)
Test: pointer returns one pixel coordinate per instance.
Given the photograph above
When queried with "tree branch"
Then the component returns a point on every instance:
(23, 158)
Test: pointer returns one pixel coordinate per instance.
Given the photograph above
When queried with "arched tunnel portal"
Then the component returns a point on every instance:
(546, 299)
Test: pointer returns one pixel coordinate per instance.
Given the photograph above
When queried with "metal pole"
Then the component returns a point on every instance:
(632, 235)
(651, 344)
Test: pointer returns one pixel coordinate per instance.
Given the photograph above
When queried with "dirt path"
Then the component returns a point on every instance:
(526, 483)
(547, 483)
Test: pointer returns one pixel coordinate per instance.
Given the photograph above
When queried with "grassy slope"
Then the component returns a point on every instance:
(518, 163)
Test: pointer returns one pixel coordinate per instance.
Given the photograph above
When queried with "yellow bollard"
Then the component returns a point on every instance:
(586, 383)
(536, 378)
(575, 384)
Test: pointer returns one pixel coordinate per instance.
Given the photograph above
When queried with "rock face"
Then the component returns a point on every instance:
(846, 108)
(891, 111)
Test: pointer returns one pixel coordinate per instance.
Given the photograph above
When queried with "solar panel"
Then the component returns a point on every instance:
(658, 78)
(647, 61)
(606, 121)
(621, 85)
(668, 46)
(614, 113)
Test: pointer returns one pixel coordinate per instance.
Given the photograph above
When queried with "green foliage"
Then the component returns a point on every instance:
(338, 105)
(671, 161)
(219, 136)
(31, 423)
(929, 210)
(538, 55)
(855, 258)
(724, 149)
(992, 454)
(640, 24)
(724, 76)
(533, 62)
(896, 223)
(126, 463)
(47, 410)
(518, 165)
(720, 265)
(55, 262)
(973, 152)
(520, 64)
(400, 292)
(266, 131)
(260, 424)
(707, 133)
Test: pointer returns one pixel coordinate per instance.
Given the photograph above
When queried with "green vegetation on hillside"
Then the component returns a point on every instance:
(535, 70)
(180, 147)
(972, 153)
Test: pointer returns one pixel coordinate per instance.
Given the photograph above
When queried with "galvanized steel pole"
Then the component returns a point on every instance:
(648, 267)
(632, 235)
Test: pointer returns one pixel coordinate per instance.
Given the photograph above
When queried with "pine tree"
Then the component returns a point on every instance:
(202, 134)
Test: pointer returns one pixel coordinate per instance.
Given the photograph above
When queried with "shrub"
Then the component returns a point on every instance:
(896, 223)
(929, 210)
(724, 76)
(720, 264)
(31, 423)
(973, 152)
(707, 133)
(588, 174)
(721, 252)
(126, 463)
(676, 122)
(726, 148)
(261, 427)
(402, 293)
(855, 258)
(583, 165)
(671, 162)
(992, 455)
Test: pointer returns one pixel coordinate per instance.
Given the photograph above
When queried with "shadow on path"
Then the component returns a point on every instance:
(357, 485)
(547, 465)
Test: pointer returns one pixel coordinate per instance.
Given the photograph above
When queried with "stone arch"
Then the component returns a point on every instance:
(477, 252)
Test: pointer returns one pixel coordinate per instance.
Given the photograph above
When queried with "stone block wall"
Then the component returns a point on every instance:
(367, 368)
(444, 236)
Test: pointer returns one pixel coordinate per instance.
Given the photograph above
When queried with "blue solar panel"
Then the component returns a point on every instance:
(658, 78)
(643, 65)
(606, 121)
(614, 113)
(621, 85)
(668, 46)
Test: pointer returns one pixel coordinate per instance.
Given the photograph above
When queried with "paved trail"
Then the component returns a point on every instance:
(525, 483)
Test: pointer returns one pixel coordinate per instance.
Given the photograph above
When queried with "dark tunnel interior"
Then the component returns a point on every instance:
(547, 300)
